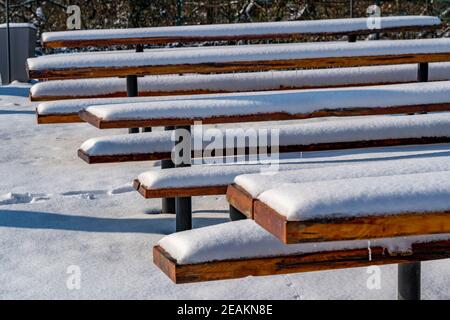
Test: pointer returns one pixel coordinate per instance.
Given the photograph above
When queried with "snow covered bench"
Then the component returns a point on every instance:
(359, 132)
(356, 208)
(239, 31)
(242, 248)
(270, 106)
(67, 111)
(237, 58)
(235, 82)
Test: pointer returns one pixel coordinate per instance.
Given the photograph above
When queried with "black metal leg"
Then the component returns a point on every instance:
(235, 214)
(183, 205)
(351, 38)
(409, 279)
(422, 72)
(168, 204)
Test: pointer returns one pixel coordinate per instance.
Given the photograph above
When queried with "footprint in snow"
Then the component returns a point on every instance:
(20, 198)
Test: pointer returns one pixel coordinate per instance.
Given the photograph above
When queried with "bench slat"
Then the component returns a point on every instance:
(237, 82)
(362, 208)
(239, 249)
(332, 134)
(239, 58)
(273, 106)
(240, 31)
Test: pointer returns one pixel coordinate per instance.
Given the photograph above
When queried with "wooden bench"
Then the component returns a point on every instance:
(240, 31)
(170, 85)
(238, 58)
(362, 132)
(268, 106)
(241, 248)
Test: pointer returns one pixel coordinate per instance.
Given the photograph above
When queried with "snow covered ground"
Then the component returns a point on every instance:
(56, 211)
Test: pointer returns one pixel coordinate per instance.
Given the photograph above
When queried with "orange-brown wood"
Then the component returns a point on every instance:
(58, 118)
(235, 66)
(340, 229)
(271, 116)
(178, 192)
(240, 199)
(315, 261)
(188, 39)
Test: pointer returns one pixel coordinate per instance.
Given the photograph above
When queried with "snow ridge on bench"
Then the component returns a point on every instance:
(241, 29)
(237, 82)
(360, 197)
(289, 102)
(244, 53)
(245, 239)
(329, 131)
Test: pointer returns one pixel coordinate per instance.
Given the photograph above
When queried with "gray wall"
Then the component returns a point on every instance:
(23, 41)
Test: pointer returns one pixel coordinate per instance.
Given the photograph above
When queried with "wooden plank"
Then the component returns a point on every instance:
(235, 66)
(58, 118)
(240, 199)
(316, 261)
(358, 228)
(178, 192)
(272, 116)
(188, 39)
(153, 156)
(142, 93)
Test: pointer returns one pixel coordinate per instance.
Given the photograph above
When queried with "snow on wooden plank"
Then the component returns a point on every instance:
(238, 31)
(152, 184)
(239, 58)
(235, 82)
(270, 106)
(324, 135)
(242, 248)
(358, 208)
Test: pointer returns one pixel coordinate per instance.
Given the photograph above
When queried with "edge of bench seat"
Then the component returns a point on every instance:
(153, 156)
(58, 118)
(178, 192)
(271, 116)
(317, 261)
(341, 229)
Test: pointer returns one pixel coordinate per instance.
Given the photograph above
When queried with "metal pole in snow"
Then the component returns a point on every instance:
(8, 42)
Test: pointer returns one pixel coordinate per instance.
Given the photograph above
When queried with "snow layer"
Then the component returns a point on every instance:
(241, 29)
(241, 82)
(292, 102)
(302, 133)
(245, 239)
(256, 184)
(240, 54)
(86, 219)
(367, 196)
(256, 178)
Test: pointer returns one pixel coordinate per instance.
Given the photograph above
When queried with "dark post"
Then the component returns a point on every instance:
(183, 205)
(409, 274)
(168, 204)
(8, 42)
(235, 214)
(132, 87)
(409, 281)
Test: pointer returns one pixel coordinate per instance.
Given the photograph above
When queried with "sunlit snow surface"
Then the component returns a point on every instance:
(56, 211)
